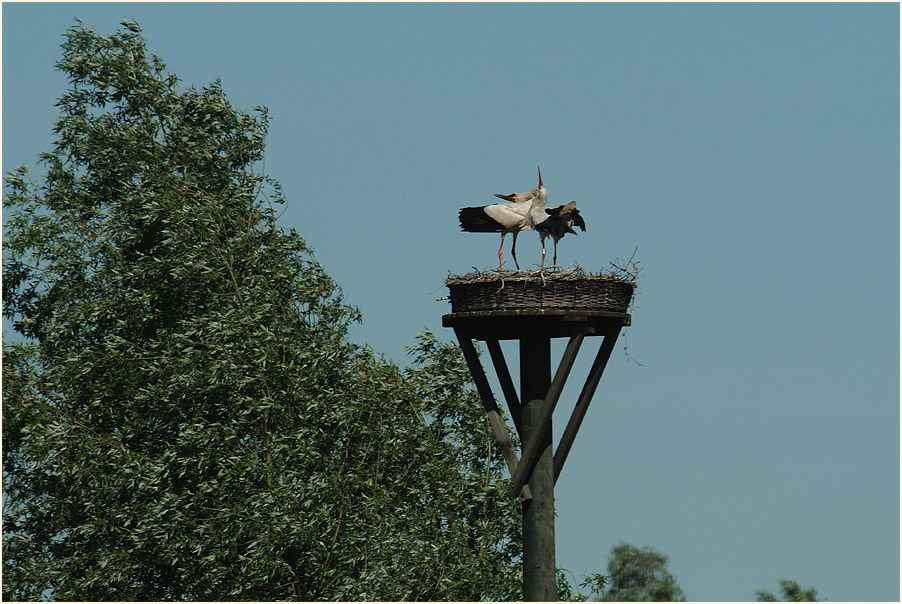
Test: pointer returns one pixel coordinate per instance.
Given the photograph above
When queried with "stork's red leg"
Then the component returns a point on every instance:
(500, 249)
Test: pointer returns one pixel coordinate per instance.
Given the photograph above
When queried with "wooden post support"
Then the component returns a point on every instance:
(507, 384)
(539, 580)
(533, 476)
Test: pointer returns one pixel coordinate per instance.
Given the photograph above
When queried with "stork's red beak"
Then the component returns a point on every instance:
(540, 175)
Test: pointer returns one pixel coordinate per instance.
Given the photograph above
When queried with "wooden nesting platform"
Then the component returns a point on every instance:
(508, 306)
(519, 324)
(539, 290)
(534, 307)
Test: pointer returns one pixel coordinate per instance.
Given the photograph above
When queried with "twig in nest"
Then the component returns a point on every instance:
(627, 270)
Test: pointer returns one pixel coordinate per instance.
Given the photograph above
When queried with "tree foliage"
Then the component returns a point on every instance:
(640, 575)
(185, 417)
(790, 592)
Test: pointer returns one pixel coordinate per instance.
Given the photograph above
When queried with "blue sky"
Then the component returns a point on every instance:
(751, 152)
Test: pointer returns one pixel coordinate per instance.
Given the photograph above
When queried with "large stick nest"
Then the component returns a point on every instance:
(571, 289)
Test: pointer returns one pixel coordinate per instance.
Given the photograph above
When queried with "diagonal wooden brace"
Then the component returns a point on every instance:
(582, 404)
(543, 421)
(491, 408)
(507, 384)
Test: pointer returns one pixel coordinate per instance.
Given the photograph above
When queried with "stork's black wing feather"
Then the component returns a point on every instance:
(475, 220)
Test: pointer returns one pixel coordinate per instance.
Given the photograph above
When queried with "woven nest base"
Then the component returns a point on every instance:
(539, 290)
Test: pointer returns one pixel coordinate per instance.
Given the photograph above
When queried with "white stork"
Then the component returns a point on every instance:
(556, 221)
(505, 218)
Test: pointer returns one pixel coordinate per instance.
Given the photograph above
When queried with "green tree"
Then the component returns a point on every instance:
(594, 582)
(791, 592)
(184, 417)
(640, 576)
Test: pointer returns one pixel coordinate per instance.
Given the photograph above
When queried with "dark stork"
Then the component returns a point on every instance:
(556, 221)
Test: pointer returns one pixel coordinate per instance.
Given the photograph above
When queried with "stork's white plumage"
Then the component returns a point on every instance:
(556, 221)
(501, 218)
(505, 218)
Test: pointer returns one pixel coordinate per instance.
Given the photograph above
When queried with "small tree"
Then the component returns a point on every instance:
(640, 576)
(791, 592)
(186, 417)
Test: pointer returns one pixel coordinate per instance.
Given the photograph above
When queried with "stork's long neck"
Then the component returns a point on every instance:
(541, 194)
(539, 200)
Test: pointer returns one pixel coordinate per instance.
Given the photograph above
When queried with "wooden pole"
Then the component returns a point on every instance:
(539, 581)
